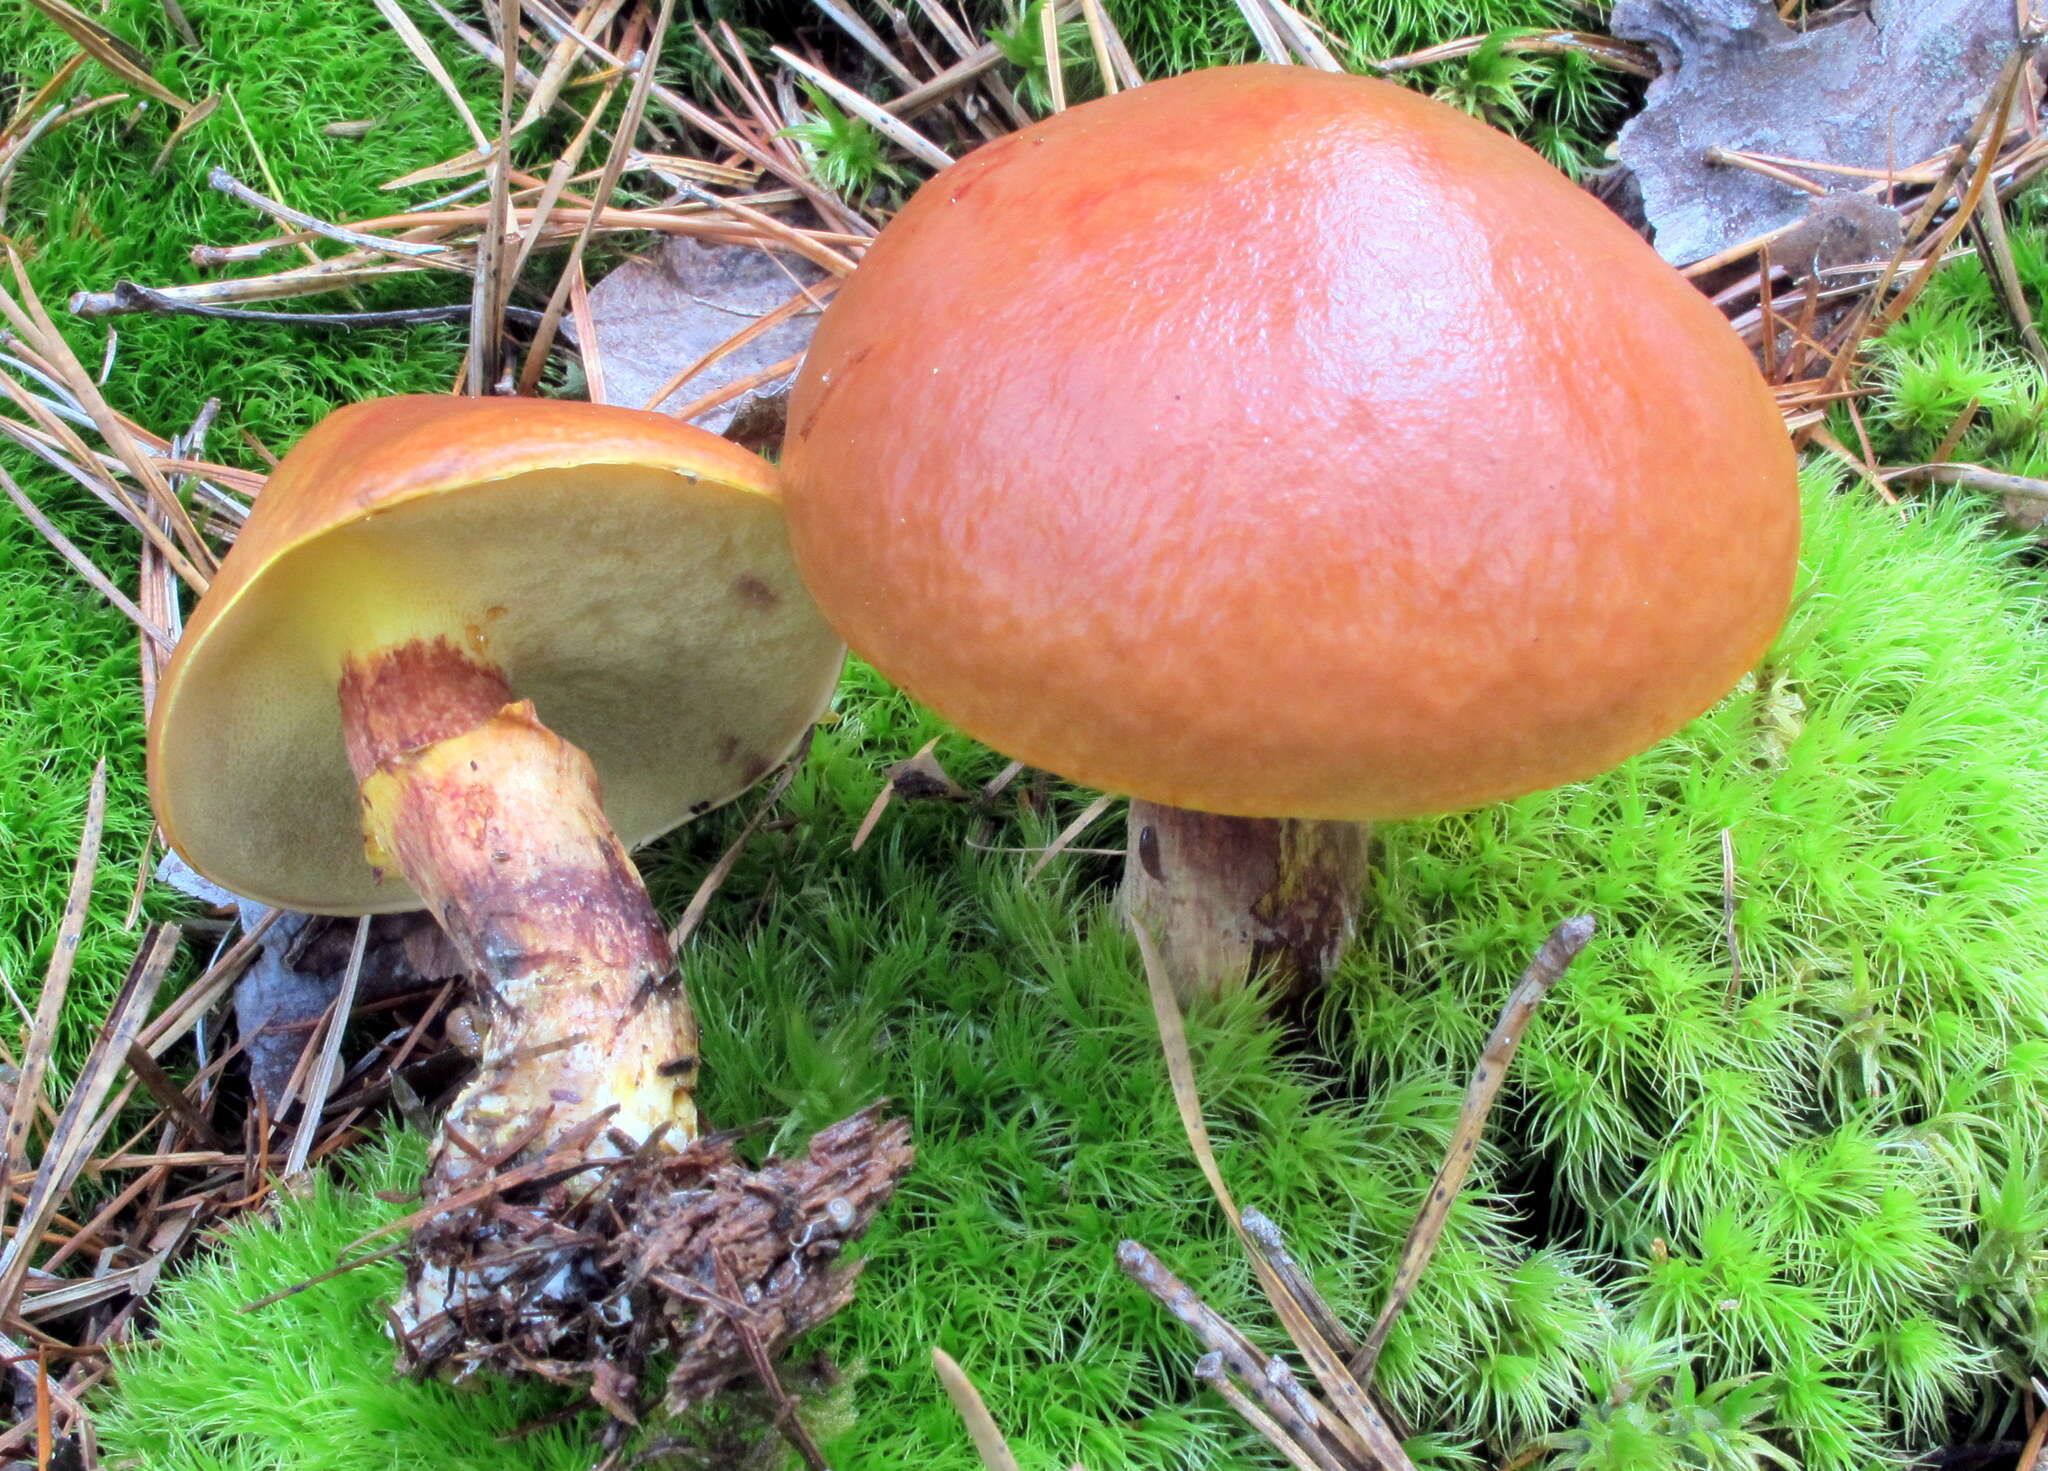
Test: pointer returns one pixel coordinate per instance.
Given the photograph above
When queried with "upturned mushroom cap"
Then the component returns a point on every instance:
(631, 575)
(1290, 445)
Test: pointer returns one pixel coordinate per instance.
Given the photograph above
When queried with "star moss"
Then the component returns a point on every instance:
(1810, 1188)
(1792, 1211)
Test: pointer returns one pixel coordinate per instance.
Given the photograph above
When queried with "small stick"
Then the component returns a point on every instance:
(82, 564)
(707, 889)
(299, 281)
(810, 299)
(608, 181)
(2005, 277)
(198, 999)
(981, 1425)
(1209, 1369)
(320, 1087)
(739, 386)
(887, 794)
(1049, 38)
(424, 53)
(28, 1088)
(82, 1124)
(1975, 477)
(1092, 16)
(491, 288)
(1070, 832)
(166, 1091)
(1728, 915)
(1265, 1236)
(793, 1429)
(1216, 1335)
(234, 188)
(127, 297)
(1552, 960)
(887, 124)
(1731, 158)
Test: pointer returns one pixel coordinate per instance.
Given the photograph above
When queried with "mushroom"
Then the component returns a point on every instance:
(353, 724)
(1287, 451)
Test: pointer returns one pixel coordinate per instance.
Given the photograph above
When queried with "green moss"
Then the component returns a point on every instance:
(1957, 348)
(1815, 1198)
(86, 209)
(1787, 1167)
(1808, 1205)
(1563, 105)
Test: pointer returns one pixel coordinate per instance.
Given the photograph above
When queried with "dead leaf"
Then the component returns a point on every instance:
(1886, 89)
(298, 969)
(657, 314)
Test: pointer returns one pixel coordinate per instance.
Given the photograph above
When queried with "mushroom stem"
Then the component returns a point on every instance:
(1224, 897)
(496, 822)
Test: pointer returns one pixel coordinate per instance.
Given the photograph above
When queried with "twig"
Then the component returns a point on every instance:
(424, 53)
(810, 299)
(109, 50)
(708, 887)
(738, 386)
(1552, 959)
(127, 298)
(234, 188)
(1209, 1369)
(1070, 832)
(28, 1088)
(1237, 1353)
(614, 166)
(1266, 1238)
(1733, 158)
(1361, 1423)
(1974, 477)
(164, 1088)
(326, 1071)
(2005, 277)
(491, 288)
(81, 1126)
(881, 120)
(1608, 51)
(82, 564)
(1055, 71)
(988, 1439)
(199, 997)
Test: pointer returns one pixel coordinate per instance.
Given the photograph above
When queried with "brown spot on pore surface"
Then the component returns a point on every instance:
(755, 593)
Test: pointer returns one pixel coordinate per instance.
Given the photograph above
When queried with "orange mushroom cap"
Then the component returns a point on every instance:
(630, 575)
(1284, 444)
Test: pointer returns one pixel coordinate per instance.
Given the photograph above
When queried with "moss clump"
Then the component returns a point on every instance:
(85, 209)
(1822, 1179)
(1957, 348)
(1808, 1171)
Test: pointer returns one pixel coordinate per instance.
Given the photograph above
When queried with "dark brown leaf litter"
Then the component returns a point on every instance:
(1880, 90)
(297, 972)
(691, 1255)
(678, 306)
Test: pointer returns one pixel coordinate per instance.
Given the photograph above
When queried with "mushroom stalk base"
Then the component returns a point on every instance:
(574, 1223)
(1226, 897)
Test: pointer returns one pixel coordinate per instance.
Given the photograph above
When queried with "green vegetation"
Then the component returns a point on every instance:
(1724, 1219)
(86, 210)
(1563, 105)
(1810, 1207)
(1803, 1171)
(1957, 348)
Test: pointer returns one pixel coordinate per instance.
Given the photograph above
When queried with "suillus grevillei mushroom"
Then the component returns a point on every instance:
(465, 654)
(1287, 451)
